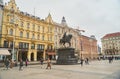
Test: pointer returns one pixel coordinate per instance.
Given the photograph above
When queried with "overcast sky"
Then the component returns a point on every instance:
(96, 17)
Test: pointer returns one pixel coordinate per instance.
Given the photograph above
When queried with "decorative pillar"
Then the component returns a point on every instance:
(35, 55)
(44, 53)
(28, 56)
(29, 52)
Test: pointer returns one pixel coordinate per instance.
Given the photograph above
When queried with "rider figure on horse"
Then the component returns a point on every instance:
(66, 39)
(64, 36)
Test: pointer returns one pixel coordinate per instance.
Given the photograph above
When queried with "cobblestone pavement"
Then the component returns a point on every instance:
(95, 70)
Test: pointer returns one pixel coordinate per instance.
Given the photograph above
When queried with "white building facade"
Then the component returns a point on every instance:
(111, 44)
(60, 29)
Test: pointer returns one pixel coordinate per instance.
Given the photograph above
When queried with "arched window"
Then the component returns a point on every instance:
(11, 32)
(21, 34)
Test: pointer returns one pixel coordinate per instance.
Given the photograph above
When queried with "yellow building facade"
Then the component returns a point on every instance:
(26, 36)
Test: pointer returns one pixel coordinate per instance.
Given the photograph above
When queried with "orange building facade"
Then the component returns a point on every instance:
(88, 47)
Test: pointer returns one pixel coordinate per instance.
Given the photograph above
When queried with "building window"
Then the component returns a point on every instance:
(11, 44)
(49, 47)
(22, 24)
(12, 20)
(43, 30)
(38, 37)
(50, 38)
(33, 36)
(28, 25)
(43, 37)
(21, 34)
(11, 31)
(33, 26)
(23, 45)
(6, 44)
(55, 29)
(50, 29)
(42, 47)
(55, 37)
(32, 46)
(38, 46)
(38, 28)
(27, 35)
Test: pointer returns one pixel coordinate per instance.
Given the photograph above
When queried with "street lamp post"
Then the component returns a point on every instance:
(13, 53)
(81, 43)
(90, 47)
(13, 20)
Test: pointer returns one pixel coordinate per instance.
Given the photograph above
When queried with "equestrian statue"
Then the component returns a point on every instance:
(66, 39)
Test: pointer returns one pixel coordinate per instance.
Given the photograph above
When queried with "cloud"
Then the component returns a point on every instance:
(97, 17)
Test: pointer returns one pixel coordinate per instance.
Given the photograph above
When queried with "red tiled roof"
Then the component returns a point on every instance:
(112, 35)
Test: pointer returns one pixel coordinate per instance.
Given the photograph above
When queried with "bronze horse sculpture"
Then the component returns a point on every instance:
(66, 39)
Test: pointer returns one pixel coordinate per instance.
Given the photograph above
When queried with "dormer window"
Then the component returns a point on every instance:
(12, 9)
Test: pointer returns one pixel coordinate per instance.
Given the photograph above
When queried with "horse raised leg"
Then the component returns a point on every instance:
(69, 44)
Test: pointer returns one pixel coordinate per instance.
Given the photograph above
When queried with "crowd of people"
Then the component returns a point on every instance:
(9, 63)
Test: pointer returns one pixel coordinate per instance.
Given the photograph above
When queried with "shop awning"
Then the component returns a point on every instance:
(4, 52)
(51, 53)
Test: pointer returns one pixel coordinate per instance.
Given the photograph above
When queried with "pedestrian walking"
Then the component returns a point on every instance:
(21, 64)
(6, 63)
(48, 64)
(87, 61)
(26, 62)
(41, 61)
(81, 62)
(11, 63)
(15, 63)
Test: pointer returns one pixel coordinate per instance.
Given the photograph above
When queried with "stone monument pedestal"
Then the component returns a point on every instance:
(66, 56)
